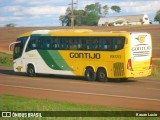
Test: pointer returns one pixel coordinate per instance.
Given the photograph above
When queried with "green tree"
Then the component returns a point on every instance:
(93, 12)
(95, 8)
(79, 17)
(157, 17)
(98, 7)
(10, 25)
(89, 16)
(62, 19)
(105, 10)
(66, 19)
(92, 19)
(116, 8)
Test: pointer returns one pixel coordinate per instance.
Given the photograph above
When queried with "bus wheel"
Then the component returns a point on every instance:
(31, 71)
(90, 74)
(102, 75)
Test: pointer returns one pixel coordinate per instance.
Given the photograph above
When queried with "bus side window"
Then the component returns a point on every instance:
(33, 43)
(46, 43)
(72, 43)
(79, 43)
(84, 45)
(75, 44)
(94, 44)
(118, 43)
(88, 43)
(63, 43)
(56, 43)
(107, 44)
(101, 45)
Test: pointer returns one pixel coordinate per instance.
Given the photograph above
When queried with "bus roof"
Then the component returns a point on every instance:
(25, 34)
(74, 32)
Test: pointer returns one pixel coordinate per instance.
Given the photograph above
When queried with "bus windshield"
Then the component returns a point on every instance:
(18, 49)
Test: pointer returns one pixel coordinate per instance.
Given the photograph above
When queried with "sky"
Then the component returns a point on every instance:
(26, 13)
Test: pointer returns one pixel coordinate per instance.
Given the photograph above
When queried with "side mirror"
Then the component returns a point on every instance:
(10, 46)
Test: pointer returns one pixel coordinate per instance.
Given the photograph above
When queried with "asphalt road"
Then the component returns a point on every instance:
(140, 94)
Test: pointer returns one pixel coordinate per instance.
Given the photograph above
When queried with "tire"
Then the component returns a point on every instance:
(90, 74)
(31, 71)
(102, 75)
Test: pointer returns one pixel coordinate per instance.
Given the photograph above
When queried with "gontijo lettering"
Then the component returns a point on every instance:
(85, 55)
(141, 48)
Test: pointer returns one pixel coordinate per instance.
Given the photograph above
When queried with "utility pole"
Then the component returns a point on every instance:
(72, 15)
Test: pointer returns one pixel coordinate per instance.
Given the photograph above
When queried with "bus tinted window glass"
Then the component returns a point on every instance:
(76, 43)
(63, 43)
(94, 43)
(101, 43)
(23, 40)
(118, 43)
(34, 43)
(73, 43)
(84, 45)
(56, 43)
(88, 44)
(18, 50)
(107, 43)
(46, 42)
(79, 43)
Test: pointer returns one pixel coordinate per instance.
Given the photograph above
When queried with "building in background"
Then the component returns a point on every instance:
(124, 20)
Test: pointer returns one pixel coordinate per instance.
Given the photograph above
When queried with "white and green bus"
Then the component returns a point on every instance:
(95, 55)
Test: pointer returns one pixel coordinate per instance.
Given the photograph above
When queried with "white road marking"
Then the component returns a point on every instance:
(85, 93)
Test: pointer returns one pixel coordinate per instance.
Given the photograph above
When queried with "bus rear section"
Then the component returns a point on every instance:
(140, 57)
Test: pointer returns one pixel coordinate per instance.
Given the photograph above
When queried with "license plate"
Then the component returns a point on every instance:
(141, 73)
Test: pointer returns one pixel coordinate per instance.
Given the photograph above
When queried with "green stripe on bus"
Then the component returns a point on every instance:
(58, 59)
(54, 60)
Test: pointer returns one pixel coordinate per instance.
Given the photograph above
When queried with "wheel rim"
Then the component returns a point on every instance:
(90, 74)
(30, 71)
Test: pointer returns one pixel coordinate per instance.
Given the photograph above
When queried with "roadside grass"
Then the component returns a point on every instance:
(5, 59)
(156, 69)
(15, 103)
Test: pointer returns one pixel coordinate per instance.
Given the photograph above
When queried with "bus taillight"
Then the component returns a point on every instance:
(150, 67)
(129, 65)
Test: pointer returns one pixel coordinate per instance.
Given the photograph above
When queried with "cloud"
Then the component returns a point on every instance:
(11, 8)
(9, 19)
(82, 4)
(140, 6)
(28, 15)
(43, 12)
(36, 10)
(38, 2)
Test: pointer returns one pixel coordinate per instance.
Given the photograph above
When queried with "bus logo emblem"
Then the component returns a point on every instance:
(141, 38)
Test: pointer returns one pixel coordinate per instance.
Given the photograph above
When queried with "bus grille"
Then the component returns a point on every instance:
(118, 69)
